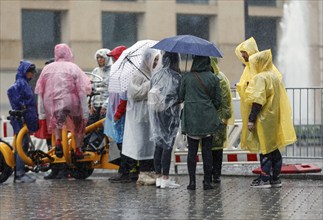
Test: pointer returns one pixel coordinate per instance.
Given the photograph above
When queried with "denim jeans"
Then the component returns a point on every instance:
(162, 159)
(271, 165)
(20, 164)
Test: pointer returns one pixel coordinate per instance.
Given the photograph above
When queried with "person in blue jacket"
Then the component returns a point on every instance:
(21, 96)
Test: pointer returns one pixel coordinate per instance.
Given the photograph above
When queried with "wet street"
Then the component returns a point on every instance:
(96, 198)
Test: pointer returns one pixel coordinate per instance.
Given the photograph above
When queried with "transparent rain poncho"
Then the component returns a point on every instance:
(274, 127)
(63, 86)
(163, 104)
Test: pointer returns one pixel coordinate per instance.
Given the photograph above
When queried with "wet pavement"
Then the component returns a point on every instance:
(96, 198)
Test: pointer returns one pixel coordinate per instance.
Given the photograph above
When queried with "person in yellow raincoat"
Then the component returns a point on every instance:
(270, 126)
(226, 115)
(243, 51)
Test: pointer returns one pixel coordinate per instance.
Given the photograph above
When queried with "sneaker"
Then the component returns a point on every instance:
(52, 175)
(146, 178)
(256, 180)
(276, 183)
(158, 182)
(123, 178)
(24, 179)
(168, 184)
(260, 184)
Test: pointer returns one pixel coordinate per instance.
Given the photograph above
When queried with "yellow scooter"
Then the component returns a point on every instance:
(37, 160)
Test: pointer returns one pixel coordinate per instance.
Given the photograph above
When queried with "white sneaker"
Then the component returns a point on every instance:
(168, 184)
(158, 182)
(146, 179)
(24, 179)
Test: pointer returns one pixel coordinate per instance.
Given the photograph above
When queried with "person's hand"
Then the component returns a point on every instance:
(251, 126)
(103, 111)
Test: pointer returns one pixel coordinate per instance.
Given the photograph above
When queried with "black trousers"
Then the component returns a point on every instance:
(162, 159)
(126, 163)
(146, 165)
(217, 162)
(206, 155)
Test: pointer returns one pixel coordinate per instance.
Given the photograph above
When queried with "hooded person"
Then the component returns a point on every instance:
(136, 138)
(164, 108)
(270, 126)
(201, 94)
(220, 138)
(243, 51)
(21, 97)
(64, 87)
(99, 103)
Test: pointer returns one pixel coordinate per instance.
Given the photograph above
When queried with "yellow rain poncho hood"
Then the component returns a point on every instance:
(274, 127)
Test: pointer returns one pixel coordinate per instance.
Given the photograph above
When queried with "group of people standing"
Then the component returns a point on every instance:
(162, 100)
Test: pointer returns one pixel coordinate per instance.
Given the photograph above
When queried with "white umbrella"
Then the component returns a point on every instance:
(129, 62)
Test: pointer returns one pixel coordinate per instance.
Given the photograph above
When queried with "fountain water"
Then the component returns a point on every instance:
(294, 51)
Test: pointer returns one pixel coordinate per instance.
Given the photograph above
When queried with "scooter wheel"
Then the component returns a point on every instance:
(5, 170)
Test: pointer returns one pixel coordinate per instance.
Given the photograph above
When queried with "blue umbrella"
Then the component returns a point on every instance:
(188, 44)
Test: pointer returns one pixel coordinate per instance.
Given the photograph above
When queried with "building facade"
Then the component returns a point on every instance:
(29, 29)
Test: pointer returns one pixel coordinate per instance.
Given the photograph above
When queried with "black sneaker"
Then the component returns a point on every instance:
(123, 178)
(255, 181)
(276, 183)
(52, 175)
(260, 184)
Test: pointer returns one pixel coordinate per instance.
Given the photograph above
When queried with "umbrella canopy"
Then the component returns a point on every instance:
(189, 44)
(129, 62)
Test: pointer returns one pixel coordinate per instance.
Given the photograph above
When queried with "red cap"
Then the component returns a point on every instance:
(116, 52)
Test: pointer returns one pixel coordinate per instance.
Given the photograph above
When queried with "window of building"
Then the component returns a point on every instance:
(262, 2)
(264, 30)
(193, 1)
(41, 31)
(197, 25)
(119, 29)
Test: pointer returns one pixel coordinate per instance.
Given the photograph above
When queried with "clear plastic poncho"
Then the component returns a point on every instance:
(62, 85)
(274, 127)
(163, 104)
(136, 141)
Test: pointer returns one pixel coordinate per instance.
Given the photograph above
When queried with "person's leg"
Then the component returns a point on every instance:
(191, 161)
(217, 165)
(207, 162)
(147, 173)
(20, 164)
(158, 159)
(277, 162)
(123, 172)
(20, 173)
(158, 164)
(266, 165)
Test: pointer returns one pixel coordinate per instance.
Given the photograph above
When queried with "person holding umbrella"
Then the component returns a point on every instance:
(200, 91)
(163, 105)
(136, 138)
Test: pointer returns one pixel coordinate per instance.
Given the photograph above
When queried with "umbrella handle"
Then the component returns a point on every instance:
(137, 68)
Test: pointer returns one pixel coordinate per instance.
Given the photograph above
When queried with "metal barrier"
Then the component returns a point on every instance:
(307, 110)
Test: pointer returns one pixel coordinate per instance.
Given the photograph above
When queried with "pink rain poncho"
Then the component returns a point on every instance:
(63, 87)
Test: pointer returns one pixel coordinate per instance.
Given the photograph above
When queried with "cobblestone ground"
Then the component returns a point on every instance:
(96, 198)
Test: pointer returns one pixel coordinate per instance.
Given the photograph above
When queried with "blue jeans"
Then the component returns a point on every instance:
(20, 164)
(271, 165)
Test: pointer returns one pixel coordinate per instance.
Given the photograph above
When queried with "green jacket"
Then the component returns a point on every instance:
(200, 116)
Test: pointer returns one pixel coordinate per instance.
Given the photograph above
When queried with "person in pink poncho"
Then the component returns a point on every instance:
(63, 87)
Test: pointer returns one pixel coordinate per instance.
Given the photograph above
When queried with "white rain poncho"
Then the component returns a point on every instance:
(163, 104)
(274, 127)
(136, 143)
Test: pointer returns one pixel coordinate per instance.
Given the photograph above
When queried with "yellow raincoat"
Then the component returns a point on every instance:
(274, 127)
(249, 46)
(220, 138)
